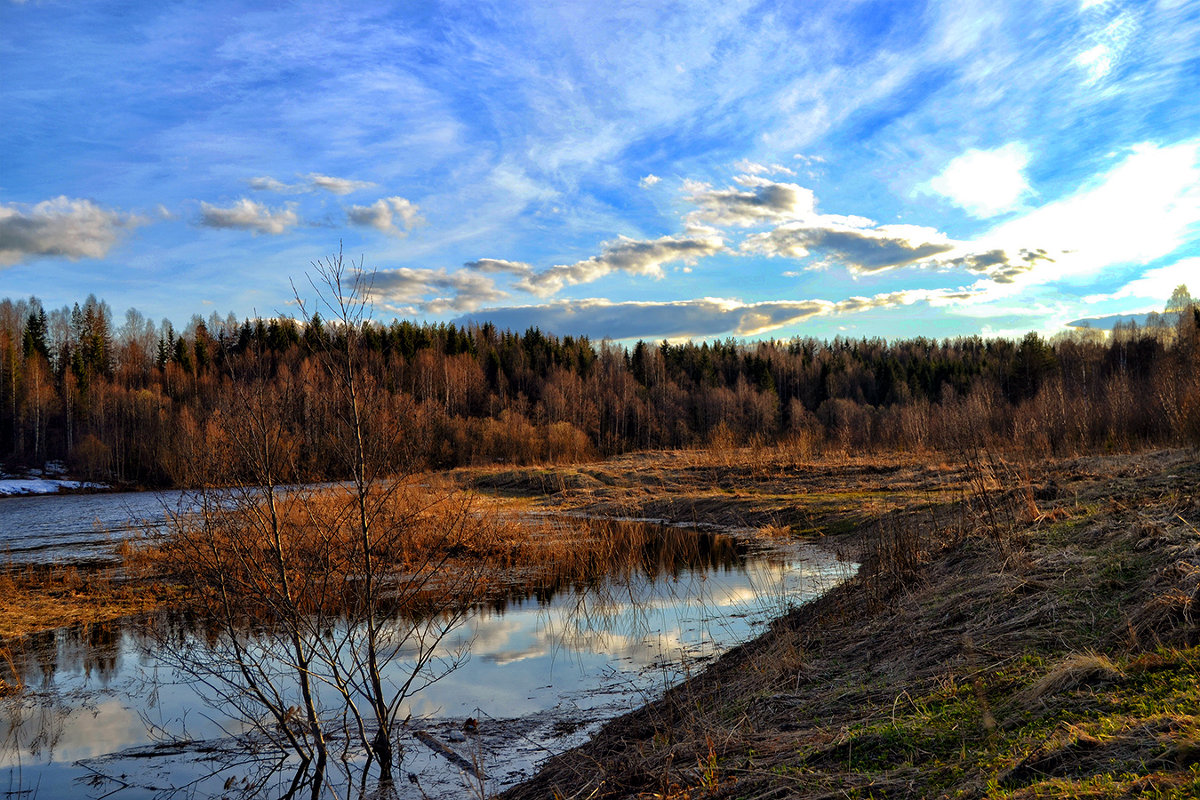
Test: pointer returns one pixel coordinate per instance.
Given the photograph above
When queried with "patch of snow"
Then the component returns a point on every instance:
(17, 486)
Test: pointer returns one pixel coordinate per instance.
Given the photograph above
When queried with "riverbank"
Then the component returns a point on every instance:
(1018, 629)
(1035, 637)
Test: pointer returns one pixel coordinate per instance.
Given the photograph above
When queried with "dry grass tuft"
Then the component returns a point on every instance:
(1171, 614)
(1080, 669)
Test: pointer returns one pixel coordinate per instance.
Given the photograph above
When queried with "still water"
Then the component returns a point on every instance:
(107, 713)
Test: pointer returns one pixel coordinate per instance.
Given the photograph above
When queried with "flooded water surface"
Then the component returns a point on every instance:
(42, 529)
(109, 713)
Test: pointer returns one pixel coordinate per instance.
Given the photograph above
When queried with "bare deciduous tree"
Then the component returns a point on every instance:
(328, 606)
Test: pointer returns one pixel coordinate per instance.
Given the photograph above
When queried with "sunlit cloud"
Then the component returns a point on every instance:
(268, 184)
(754, 168)
(394, 216)
(985, 182)
(861, 249)
(703, 317)
(649, 181)
(998, 265)
(337, 185)
(64, 227)
(636, 257)
(248, 215)
(1142, 209)
(433, 291)
(759, 201)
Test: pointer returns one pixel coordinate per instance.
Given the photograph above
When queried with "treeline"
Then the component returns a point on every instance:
(134, 402)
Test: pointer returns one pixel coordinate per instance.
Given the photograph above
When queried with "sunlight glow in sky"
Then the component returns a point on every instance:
(633, 170)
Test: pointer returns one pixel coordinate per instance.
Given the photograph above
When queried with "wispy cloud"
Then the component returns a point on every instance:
(268, 184)
(394, 216)
(65, 227)
(1157, 284)
(248, 215)
(499, 265)
(1141, 209)
(754, 168)
(337, 185)
(309, 183)
(1109, 44)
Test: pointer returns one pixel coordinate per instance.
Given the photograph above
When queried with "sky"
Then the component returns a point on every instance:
(617, 170)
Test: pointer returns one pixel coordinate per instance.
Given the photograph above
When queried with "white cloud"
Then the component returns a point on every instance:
(309, 183)
(1142, 209)
(649, 181)
(1157, 284)
(65, 227)
(599, 318)
(755, 168)
(336, 185)
(248, 215)
(461, 290)
(761, 201)
(861, 249)
(494, 265)
(268, 184)
(634, 256)
(985, 182)
(384, 214)
(855, 242)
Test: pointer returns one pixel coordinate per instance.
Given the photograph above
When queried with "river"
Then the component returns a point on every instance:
(109, 713)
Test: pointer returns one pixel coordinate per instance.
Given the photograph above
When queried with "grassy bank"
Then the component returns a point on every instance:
(1016, 631)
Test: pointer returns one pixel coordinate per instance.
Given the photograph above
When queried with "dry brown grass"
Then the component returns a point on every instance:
(41, 598)
(1079, 669)
(423, 534)
(886, 686)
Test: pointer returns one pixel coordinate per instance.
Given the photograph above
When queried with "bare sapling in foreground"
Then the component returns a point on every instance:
(324, 608)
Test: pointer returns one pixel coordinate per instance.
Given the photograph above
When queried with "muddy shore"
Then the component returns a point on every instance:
(1018, 630)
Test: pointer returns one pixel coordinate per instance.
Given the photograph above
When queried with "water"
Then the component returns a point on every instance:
(62, 528)
(109, 715)
(41, 529)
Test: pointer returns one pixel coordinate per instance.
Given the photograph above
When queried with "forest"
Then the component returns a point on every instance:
(135, 403)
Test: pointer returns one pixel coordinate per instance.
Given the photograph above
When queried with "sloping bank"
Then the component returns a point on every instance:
(1028, 642)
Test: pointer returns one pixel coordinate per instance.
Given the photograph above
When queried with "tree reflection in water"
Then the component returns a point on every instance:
(650, 609)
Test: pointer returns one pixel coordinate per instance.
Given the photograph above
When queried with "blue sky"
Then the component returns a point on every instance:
(619, 170)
